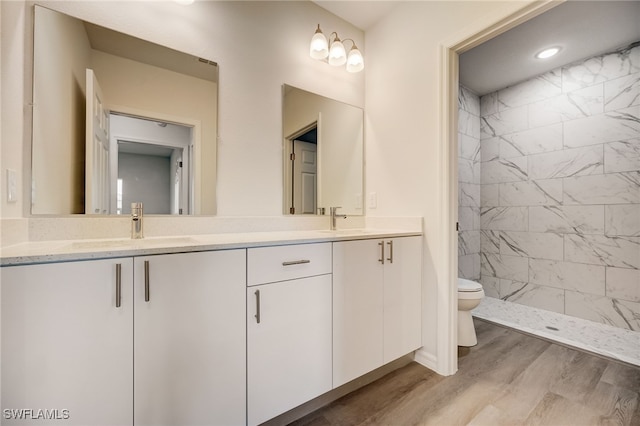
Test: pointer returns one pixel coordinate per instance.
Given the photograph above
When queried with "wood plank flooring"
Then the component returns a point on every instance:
(509, 378)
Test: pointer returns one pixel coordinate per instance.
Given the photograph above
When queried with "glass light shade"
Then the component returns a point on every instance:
(319, 48)
(547, 53)
(337, 53)
(355, 61)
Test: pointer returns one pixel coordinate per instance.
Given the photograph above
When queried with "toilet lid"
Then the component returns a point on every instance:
(468, 285)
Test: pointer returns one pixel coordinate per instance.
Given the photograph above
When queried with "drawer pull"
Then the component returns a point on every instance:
(296, 262)
(147, 289)
(257, 293)
(390, 258)
(118, 285)
(381, 244)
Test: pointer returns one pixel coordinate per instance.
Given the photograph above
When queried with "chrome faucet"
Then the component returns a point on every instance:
(136, 221)
(334, 215)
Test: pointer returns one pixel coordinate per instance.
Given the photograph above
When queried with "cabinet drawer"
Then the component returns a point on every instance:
(271, 264)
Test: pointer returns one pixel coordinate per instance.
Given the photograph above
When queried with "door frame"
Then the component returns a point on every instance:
(287, 172)
(446, 360)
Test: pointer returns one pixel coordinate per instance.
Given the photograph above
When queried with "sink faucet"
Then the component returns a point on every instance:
(136, 221)
(334, 215)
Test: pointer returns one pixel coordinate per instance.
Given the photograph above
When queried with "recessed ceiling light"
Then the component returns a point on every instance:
(547, 53)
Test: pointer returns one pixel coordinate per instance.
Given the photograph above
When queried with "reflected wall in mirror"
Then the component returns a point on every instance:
(323, 154)
(116, 118)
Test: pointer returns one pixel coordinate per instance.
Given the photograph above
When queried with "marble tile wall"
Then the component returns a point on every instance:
(560, 190)
(469, 184)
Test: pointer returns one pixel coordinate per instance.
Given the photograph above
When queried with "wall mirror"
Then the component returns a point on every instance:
(323, 154)
(118, 119)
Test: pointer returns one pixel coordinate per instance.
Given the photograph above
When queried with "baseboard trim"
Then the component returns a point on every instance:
(426, 359)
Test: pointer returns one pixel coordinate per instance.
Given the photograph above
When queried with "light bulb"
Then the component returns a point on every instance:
(355, 61)
(547, 53)
(337, 53)
(319, 48)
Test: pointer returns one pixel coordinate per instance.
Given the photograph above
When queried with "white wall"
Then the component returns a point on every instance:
(403, 128)
(259, 47)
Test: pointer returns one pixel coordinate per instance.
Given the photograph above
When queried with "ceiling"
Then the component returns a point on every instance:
(581, 28)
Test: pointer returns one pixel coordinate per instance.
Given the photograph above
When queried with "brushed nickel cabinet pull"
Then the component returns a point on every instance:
(118, 285)
(381, 244)
(257, 293)
(296, 262)
(147, 289)
(390, 258)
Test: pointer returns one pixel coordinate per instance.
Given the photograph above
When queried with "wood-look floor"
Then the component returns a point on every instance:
(509, 378)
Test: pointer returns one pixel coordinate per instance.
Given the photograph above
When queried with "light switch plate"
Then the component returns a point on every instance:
(12, 186)
(372, 202)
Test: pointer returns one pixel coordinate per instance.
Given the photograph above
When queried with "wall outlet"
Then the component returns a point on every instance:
(372, 201)
(12, 186)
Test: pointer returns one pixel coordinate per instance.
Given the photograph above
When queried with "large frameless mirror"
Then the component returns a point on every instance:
(117, 119)
(323, 154)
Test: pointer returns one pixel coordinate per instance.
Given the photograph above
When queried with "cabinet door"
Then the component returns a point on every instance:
(189, 347)
(402, 297)
(289, 349)
(357, 309)
(66, 346)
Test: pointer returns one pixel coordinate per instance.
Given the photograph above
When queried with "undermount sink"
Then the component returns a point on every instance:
(127, 242)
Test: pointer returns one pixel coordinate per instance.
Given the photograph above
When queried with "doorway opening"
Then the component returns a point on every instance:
(302, 171)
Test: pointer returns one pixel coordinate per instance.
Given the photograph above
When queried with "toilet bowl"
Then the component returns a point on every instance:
(470, 294)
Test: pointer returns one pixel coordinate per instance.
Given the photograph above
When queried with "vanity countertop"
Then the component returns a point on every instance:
(86, 249)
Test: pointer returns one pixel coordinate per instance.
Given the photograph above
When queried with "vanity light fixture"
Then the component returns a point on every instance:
(547, 53)
(336, 55)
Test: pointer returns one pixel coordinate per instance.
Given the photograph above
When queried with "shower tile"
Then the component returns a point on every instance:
(548, 298)
(499, 171)
(568, 106)
(622, 220)
(490, 149)
(532, 141)
(489, 195)
(491, 286)
(541, 245)
(489, 104)
(619, 313)
(601, 68)
(531, 193)
(468, 195)
(508, 267)
(622, 124)
(623, 284)
(490, 241)
(469, 218)
(622, 156)
(469, 101)
(613, 188)
(538, 88)
(466, 172)
(568, 275)
(468, 242)
(621, 252)
(504, 122)
(567, 219)
(468, 147)
(568, 162)
(504, 218)
(469, 266)
(622, 92)
(468, 124)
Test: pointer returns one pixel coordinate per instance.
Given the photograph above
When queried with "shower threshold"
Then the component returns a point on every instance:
(602, 339)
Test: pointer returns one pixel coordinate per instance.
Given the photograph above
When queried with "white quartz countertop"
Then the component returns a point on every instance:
(86, 249)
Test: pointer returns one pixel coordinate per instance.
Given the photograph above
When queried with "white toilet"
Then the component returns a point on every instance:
(470, 294)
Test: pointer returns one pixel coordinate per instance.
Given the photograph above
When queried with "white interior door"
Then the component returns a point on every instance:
(97, 192)
(305, 172)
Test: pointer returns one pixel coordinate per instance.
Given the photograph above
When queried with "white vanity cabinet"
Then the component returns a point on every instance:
(167, 348)
(288, 327)
(189, 346)
(67, 342)
(376, 304)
